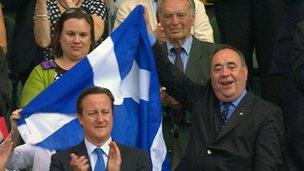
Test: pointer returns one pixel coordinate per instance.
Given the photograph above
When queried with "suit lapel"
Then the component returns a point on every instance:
(194, 60)
(242, 110)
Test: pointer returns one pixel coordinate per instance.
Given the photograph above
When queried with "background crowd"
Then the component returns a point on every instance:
(268, 33)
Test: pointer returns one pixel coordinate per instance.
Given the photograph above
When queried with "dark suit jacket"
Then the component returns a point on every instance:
(283, 56)
(251, 140)
(132, 158)
(198, 67)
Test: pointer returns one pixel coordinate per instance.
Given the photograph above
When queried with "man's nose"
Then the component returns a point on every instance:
(175, 19)
(226, 71)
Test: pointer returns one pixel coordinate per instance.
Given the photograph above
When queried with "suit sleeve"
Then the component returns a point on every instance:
(177, 84)
(202, 29)
(144, 164)
(55, 163)
(269, 141)
(299, 57)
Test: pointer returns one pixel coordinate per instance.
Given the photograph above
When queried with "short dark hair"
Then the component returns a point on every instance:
(225, 46)
(93, 90)
(78, 13)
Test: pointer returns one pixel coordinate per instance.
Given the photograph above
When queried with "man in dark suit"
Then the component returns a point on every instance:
(284, 55)
(232, 129)
(97, 151)
(184, 50)
(296, 147)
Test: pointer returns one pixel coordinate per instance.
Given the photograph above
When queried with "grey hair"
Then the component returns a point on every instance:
(190, 2)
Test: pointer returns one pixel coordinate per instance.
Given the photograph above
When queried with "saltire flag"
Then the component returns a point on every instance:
(124, 64)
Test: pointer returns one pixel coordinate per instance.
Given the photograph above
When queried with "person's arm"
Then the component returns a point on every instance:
(37, 81)
(42, 25)
(22, 157)
(122, 12)
(298, 69)
(202, 29)
(98, 17)
(269, 142)
(5, 150)
(3, 41)
(176, 83)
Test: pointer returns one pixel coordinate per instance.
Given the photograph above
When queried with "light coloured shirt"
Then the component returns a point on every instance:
(233, 104)
(26, 155)
(93, 156)
(185, 54)
(155, 5)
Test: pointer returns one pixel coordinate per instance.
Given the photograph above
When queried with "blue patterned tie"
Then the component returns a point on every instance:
(223, 116)
(100, 165)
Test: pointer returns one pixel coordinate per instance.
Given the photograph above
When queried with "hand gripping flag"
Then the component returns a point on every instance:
(124, 64)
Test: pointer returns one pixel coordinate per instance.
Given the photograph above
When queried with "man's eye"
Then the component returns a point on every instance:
(218, 68)
(231, 67)
(180, 15)
(167, 16)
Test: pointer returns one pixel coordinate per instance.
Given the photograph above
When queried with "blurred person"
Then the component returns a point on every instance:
(295, 150)
(98, 151)
(251, 26)
(73, 39)
(25, 54)
(287, 54)
(3, 41)
(48, 13)
(201, 27)
(5, 86)
(232, 129)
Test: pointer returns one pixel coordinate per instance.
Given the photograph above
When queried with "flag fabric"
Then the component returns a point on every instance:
(124, 64)
(3, 128)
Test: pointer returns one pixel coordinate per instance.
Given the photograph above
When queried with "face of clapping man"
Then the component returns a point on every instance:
(96, 118)
(228, 75)
(176, 18)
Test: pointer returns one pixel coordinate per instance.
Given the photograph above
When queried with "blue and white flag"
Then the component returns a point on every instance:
(124, 64)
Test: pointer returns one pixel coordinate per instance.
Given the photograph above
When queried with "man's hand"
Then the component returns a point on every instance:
(160, 34)
(79, 163)
(14, 117)
(114, 161)
(166, 99)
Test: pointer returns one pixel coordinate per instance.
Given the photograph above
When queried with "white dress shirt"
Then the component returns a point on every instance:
(93, 156)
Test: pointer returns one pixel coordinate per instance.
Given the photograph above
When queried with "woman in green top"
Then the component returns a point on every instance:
(73, 39)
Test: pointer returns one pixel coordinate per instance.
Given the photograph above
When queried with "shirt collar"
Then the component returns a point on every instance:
(237, 101)
(186, 45)
(91, 147)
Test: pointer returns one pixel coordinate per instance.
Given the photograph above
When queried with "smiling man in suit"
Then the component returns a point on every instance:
(184, 50)
(232, 129)
(97, 151)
